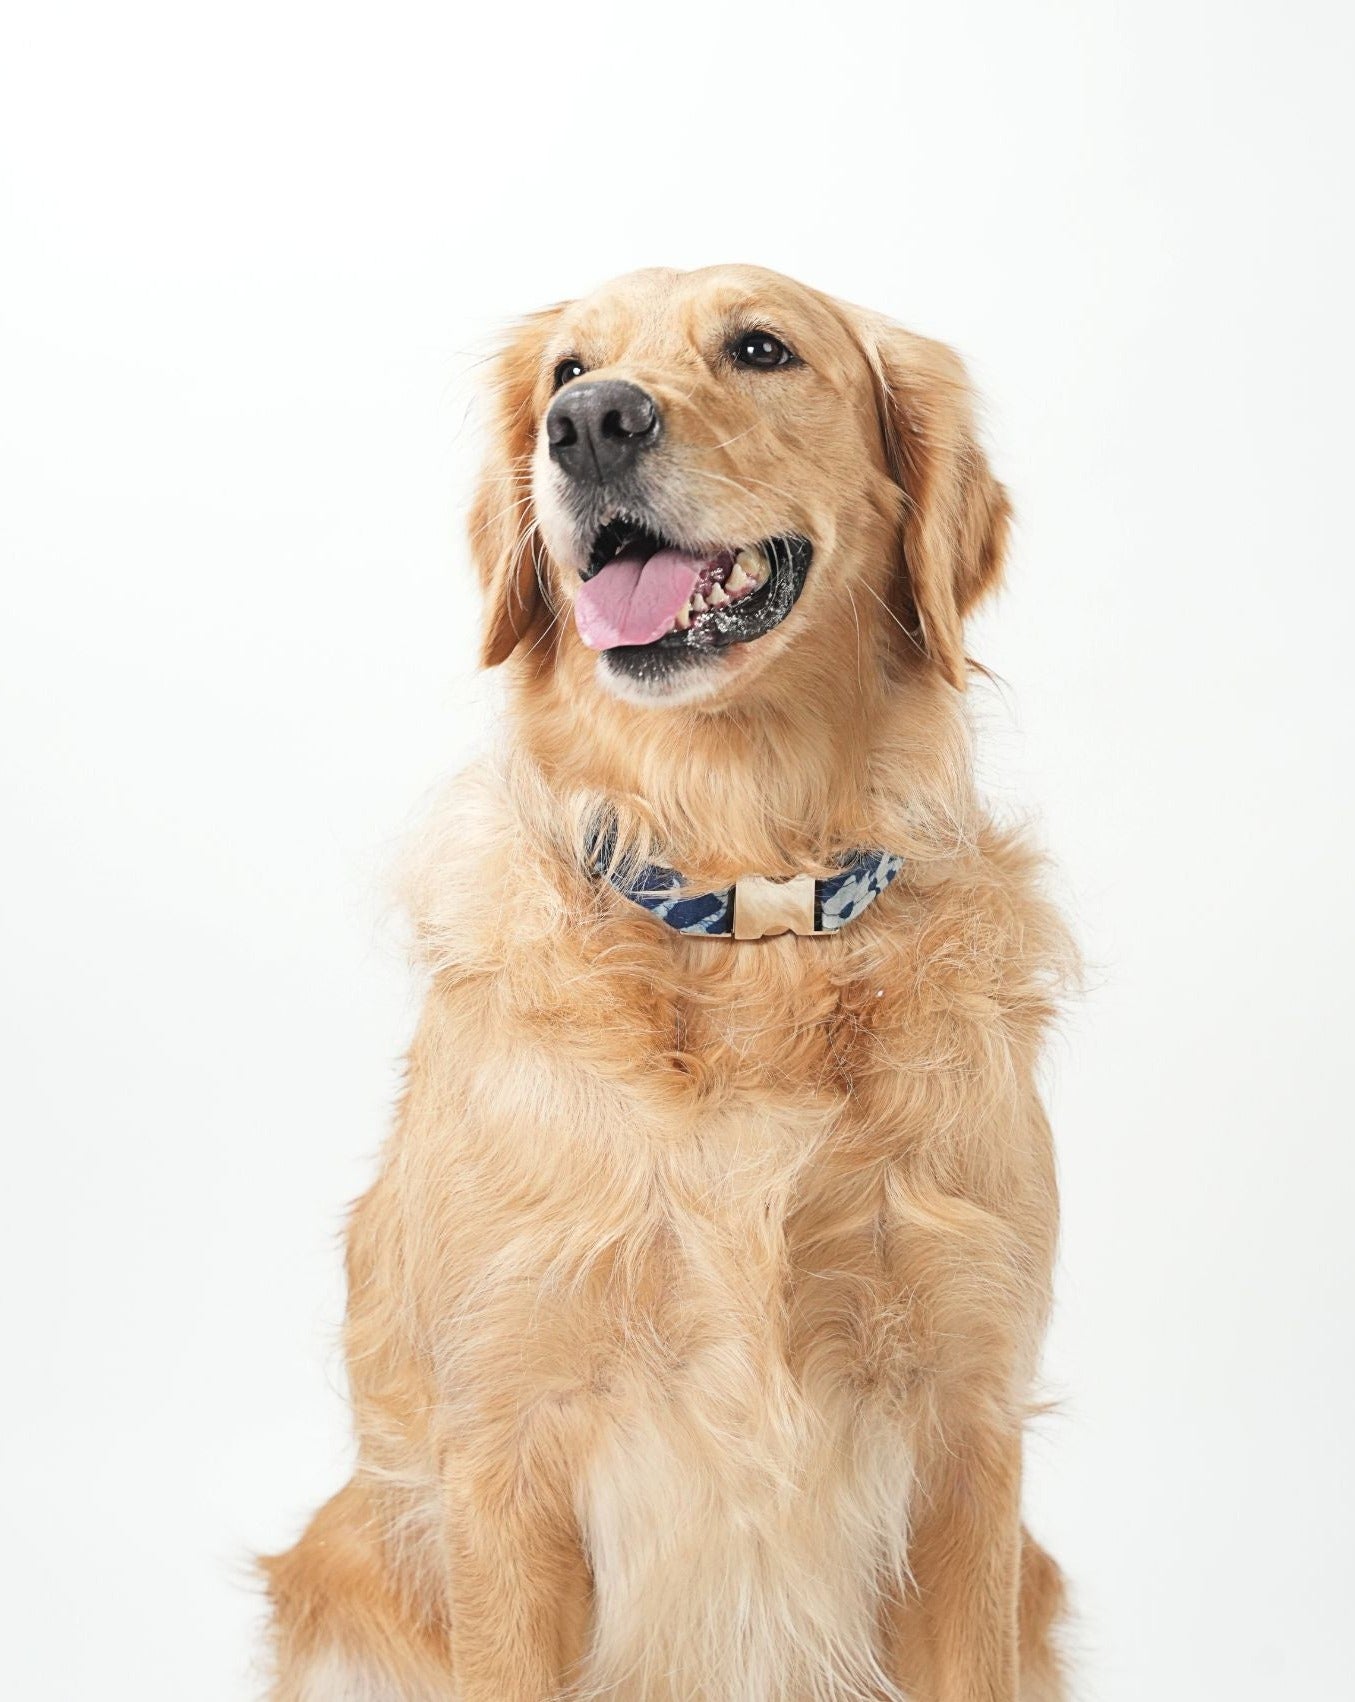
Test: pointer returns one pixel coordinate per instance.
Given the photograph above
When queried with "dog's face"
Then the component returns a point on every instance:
(700, 478)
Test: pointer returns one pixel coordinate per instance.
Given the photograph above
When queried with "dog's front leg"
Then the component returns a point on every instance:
(965, 1560)
(520, 1587)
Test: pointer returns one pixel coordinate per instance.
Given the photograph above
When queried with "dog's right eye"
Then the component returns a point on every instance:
(567, 369)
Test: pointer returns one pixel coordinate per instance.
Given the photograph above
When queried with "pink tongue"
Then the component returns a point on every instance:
(632, 601)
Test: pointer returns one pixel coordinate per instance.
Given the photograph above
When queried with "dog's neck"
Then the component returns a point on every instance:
(775, 788)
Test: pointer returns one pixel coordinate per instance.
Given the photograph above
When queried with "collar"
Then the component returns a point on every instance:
(754, 906)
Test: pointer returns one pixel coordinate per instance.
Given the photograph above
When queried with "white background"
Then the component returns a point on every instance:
(253, 256)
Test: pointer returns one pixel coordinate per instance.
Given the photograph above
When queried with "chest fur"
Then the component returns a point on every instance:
(705, 1222)
(746, 1495)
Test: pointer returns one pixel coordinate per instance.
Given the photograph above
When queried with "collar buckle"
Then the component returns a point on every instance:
(763, 907)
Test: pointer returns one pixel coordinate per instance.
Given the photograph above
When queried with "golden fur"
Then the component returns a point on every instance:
(694, 1313)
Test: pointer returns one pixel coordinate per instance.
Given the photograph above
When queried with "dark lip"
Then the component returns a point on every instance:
(789, 556)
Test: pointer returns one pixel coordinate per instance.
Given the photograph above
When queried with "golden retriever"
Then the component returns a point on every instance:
(694, 1314)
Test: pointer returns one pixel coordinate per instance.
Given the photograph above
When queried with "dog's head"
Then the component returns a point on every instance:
(700, 481)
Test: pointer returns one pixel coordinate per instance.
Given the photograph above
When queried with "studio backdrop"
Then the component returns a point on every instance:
(256, 259)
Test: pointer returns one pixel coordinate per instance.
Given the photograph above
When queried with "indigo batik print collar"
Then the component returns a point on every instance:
(754, 906)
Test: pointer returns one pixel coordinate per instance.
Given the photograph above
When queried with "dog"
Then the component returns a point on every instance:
(695, 1312)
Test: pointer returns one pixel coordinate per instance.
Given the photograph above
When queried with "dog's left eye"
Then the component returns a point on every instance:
(760, 349)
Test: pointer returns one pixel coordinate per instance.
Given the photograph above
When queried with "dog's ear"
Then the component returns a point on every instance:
(503, 539)
(955, 515)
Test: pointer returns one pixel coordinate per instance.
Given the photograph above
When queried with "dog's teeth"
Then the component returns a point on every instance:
(718, 595)
(698, 603)
(753, 564)
(684, 617)
(738, 580)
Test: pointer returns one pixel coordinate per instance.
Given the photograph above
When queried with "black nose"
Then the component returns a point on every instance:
(597, 431)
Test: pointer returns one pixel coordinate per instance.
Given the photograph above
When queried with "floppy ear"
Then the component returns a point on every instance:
(503, 538)
(956, 515)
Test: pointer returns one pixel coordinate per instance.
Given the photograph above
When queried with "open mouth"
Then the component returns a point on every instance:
(644, 597)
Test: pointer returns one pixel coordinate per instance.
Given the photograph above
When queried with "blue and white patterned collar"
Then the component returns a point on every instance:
(754, 906)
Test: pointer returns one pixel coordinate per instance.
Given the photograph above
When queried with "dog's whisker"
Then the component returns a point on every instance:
(910, 636)
(492, 520)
